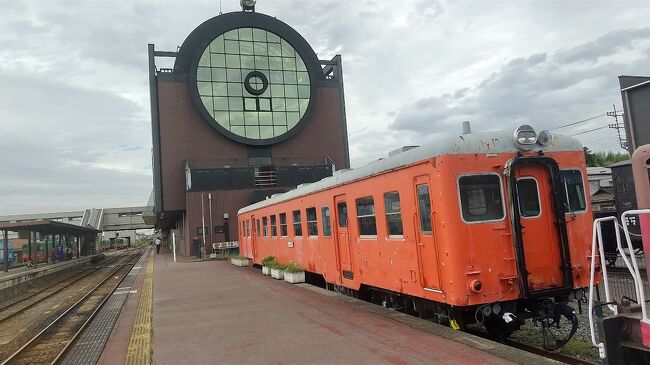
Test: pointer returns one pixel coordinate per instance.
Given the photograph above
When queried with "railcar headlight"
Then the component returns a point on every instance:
(544, 138)
(525, 135)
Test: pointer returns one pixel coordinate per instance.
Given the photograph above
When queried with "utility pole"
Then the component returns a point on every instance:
(618, 126)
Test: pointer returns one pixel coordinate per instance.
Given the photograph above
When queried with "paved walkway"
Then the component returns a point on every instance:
(212, 312)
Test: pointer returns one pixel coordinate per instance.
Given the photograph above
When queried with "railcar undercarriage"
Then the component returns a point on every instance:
(556, 319)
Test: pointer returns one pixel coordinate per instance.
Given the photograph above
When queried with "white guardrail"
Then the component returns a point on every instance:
(630, 263)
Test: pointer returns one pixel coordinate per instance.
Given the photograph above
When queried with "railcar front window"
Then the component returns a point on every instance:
(274, 227)
(393, 214)
(424, 208)
(480, 198)
(342, 211)
(573, 196)
(265, 226)
(283, 224)
(312, 224)
(297, 225)
(325, 218)
(528, 196)
(366, 216)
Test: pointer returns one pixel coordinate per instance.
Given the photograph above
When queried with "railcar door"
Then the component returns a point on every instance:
(541, 240)
(253, 238)
(424, 236)
(342, 237)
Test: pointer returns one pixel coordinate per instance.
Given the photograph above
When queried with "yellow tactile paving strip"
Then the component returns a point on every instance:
(139, 351)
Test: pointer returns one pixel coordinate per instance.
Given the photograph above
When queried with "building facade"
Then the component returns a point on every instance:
(247, 111)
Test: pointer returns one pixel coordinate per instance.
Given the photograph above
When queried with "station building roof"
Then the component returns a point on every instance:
(46, 226)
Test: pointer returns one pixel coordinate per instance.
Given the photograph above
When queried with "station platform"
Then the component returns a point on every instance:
(212, 312)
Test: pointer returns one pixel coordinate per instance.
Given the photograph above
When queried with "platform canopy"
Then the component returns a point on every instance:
(46, 226)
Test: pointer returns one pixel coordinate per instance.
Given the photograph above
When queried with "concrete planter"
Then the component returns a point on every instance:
(238, 262)
(277, 274)
(294, 277)
(266, 270)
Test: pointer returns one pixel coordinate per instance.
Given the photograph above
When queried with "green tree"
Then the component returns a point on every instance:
(602, 158)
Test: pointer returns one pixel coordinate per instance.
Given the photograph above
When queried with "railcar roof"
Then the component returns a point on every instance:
(493, 142)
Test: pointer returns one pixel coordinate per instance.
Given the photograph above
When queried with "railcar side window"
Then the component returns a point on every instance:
(283, 224)
(248, 228)
(325, 218)
(297, 227)
(342, 212)
(312, 224)
(258, 228)
(366, 216)
(480, 198)
(528, 195)
(265, 226)
(424, 208)
(393, 214)
(573, 196)
(274, 227)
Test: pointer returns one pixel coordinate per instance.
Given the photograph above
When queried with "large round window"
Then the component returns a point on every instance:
(253, 83)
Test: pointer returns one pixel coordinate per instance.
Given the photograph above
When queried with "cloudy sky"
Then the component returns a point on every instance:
(74, 98)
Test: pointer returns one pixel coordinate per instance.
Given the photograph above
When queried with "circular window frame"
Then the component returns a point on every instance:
(201, 38)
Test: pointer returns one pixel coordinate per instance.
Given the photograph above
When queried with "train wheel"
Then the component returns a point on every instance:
(558, 328)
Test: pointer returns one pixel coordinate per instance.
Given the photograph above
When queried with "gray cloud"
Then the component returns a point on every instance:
(540, 89)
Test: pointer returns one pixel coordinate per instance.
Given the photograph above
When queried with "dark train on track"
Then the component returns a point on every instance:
(492, 228)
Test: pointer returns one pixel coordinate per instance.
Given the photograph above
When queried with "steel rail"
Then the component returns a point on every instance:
(70, 309)
(85, 273)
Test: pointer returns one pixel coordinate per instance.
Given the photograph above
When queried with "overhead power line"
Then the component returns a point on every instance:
(580, 121)
(590, 130)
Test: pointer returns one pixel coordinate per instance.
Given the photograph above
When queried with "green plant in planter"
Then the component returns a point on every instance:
(293, 267)
(279, 266)
(268, 261)
(240, 257)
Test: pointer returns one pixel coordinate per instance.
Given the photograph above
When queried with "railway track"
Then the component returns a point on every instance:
(50, 344)
(24, 303)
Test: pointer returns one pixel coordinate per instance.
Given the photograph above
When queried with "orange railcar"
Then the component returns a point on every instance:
(492, 227)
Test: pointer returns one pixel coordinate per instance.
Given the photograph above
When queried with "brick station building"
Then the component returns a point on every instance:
(247, 111)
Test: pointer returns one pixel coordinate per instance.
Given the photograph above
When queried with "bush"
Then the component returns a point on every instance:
(240, 257)
(269, 261)
(293, 267)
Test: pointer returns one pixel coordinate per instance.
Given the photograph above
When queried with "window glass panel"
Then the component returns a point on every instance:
(393, 214)
(205, 88)
(265, 224)
(327, 224)
(297, 227)
(424, 208)
(232, 47)
(528, 197)
(203, 74)
(257, 226)
(342, 212)
(480, 198)
(218, 74)
(312, 224)
(246, 48)
(274, 227)
(366, 216)
(261, 49)
(246, 34)
(248, 61)
(283, 224)
(573, 196)
(217, 60)
(216, 46)
(220, 89)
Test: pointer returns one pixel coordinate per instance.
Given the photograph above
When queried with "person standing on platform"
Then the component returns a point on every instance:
(157, 245)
